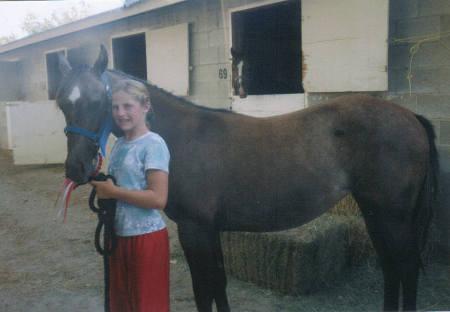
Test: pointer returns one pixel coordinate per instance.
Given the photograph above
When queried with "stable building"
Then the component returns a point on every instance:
(297, 53)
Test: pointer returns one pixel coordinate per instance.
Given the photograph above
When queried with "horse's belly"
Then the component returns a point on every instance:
(276, 215)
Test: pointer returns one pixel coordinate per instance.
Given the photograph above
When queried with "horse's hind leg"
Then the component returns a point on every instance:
(406, 260)
(202, 248)
(409, 277)
(391, 229)
(390, 274)
(406, 256)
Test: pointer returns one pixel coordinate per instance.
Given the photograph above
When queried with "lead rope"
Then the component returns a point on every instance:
(63, 197)
(105, 211)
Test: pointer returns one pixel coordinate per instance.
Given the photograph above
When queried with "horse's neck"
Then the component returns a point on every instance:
(172, 113)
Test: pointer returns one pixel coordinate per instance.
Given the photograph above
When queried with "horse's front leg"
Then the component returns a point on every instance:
(203, 251)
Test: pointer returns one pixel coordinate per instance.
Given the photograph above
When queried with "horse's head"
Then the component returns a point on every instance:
(237, 67)
(83, 98)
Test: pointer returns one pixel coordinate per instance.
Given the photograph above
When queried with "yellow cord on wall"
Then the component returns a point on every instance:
(418, 41)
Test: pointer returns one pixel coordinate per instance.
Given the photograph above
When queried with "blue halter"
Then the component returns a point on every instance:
(101, 137)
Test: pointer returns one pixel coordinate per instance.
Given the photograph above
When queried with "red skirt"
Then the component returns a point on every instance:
(139, 273)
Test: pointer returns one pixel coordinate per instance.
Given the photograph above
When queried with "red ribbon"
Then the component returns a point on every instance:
(68, 186)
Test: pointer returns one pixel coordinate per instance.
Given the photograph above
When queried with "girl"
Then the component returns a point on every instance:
(140, 163)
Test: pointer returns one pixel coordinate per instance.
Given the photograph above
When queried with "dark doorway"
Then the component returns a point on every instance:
(54, 75)
(130, 55)
(269, 38)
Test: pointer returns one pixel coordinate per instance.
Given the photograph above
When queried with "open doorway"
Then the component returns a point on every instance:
(54, 75)
(11, 78)
(130, 55)
(269, 40)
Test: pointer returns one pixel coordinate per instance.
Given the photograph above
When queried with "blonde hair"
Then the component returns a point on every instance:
(135, 89)
(138, 91)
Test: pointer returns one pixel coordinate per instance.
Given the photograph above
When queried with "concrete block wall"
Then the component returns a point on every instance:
(10, 80)
(429, 94)
(208, 52)
(209, 45)
(429, 91)
(4, 129)
(430, 87)
(35, 78)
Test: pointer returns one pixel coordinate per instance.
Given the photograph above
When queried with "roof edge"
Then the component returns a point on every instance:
(88, 22)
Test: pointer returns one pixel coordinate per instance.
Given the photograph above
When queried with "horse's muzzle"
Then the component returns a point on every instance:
(78, 171)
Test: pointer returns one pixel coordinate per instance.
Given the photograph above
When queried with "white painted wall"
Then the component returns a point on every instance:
(268, 105)
(168, 58)
(36, 130)
(345, 45)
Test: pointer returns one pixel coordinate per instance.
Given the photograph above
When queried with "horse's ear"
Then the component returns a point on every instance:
(102, 60)
(63, 63)
(233, 52)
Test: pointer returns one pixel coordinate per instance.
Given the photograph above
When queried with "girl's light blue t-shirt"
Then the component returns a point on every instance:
(128, 163)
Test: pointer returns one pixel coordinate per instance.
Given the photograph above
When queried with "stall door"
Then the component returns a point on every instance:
(36, 132)
(269, 39)
(294, 47)
(168, 59)
(345, 45)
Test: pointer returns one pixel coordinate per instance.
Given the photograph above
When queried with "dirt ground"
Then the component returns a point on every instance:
(48, 266)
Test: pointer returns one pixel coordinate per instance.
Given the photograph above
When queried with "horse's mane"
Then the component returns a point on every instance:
(165, 92)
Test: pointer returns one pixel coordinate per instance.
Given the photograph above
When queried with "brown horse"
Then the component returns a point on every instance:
(231, 172)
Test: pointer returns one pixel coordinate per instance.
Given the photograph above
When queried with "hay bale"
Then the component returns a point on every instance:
(347, 206)
(359, 246)
(304, 259)
(296, 261)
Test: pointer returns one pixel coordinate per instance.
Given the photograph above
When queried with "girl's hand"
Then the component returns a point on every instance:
(155, 197)
(105, 190)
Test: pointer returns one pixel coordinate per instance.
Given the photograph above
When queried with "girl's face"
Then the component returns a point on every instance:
(129, 114)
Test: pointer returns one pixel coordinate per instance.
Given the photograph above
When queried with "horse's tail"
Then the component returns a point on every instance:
(429, 192)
